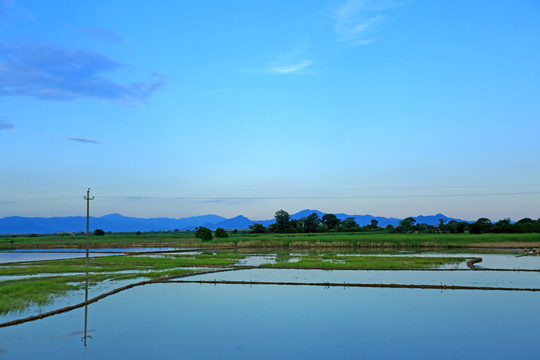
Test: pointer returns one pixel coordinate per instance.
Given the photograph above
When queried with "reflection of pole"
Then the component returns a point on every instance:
(87, 198)
(86, 310)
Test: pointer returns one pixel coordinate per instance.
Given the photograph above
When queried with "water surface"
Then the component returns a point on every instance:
(280, 322)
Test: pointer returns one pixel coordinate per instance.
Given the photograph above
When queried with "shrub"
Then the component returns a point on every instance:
(221, 233)
(203, 233)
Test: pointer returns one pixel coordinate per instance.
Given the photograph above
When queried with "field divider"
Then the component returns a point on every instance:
(329, 284)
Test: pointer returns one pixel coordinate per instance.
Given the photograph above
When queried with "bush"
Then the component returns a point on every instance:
(203, 233)
(99, 232)
(257, 229)
(221, 233)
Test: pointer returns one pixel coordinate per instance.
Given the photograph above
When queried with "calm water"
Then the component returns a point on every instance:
(508, 279)
(279, 322)
(193, 321)
(57, 254)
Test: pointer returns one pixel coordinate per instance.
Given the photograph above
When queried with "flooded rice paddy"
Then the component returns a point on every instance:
(57, 254)
(232, 321)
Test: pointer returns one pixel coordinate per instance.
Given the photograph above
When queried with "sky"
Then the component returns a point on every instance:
(182, 108)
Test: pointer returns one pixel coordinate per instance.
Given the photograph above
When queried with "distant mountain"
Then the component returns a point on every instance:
(307, 212)
(111, 222)
(239, 222)
(120, 223)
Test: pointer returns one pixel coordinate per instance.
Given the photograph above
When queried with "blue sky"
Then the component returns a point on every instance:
(183, 108)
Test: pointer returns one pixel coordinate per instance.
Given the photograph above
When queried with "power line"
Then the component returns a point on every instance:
(307, 188)
(284, 197)
(312, 197)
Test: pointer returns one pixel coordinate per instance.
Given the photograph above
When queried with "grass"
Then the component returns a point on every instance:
(17, 295)
(336, 262)
(120, 263)
(321, 240)
(47, 279)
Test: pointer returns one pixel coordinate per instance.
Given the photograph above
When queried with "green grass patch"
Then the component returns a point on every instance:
(120, 263)
(17, 295)
(368, 262)
(187, 239)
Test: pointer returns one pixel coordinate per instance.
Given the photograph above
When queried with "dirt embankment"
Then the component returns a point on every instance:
(506, 245)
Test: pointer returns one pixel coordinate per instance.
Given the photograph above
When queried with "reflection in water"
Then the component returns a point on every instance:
(86, 311)
(266, 322)
(278, 322)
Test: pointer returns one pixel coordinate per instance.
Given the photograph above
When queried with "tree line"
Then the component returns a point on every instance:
(331, 223)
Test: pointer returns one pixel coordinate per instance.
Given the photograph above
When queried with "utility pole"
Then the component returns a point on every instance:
(88, 198)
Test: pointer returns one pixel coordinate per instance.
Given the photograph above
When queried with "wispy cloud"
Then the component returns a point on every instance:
(5, 126)
(89, 141)
(101, 34)
(51, 72)
(290, 68)
(356, 20)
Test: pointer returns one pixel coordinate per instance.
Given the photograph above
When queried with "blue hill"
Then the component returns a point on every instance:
(120, 223)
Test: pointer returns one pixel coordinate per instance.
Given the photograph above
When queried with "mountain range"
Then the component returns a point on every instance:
(120, 223)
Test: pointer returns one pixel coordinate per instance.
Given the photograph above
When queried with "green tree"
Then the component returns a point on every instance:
(296, 226)
(503, 226)
(374, 224)
(408, 222)
(456, 227)
(283, 222)
(406, 225)
(311, 223)
(442, 227)
(257, 228)
(524, 225)
(349, 224)
(331, 221)
(221, 233)
(481, 226)
(203, 233)
(99, 232)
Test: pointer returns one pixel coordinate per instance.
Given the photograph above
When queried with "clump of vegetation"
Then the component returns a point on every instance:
(203, 233)
(337, 262)
(221, 233)
(18, 295)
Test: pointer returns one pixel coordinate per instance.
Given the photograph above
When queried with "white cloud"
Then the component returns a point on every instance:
(356, 20)
(290, 68)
